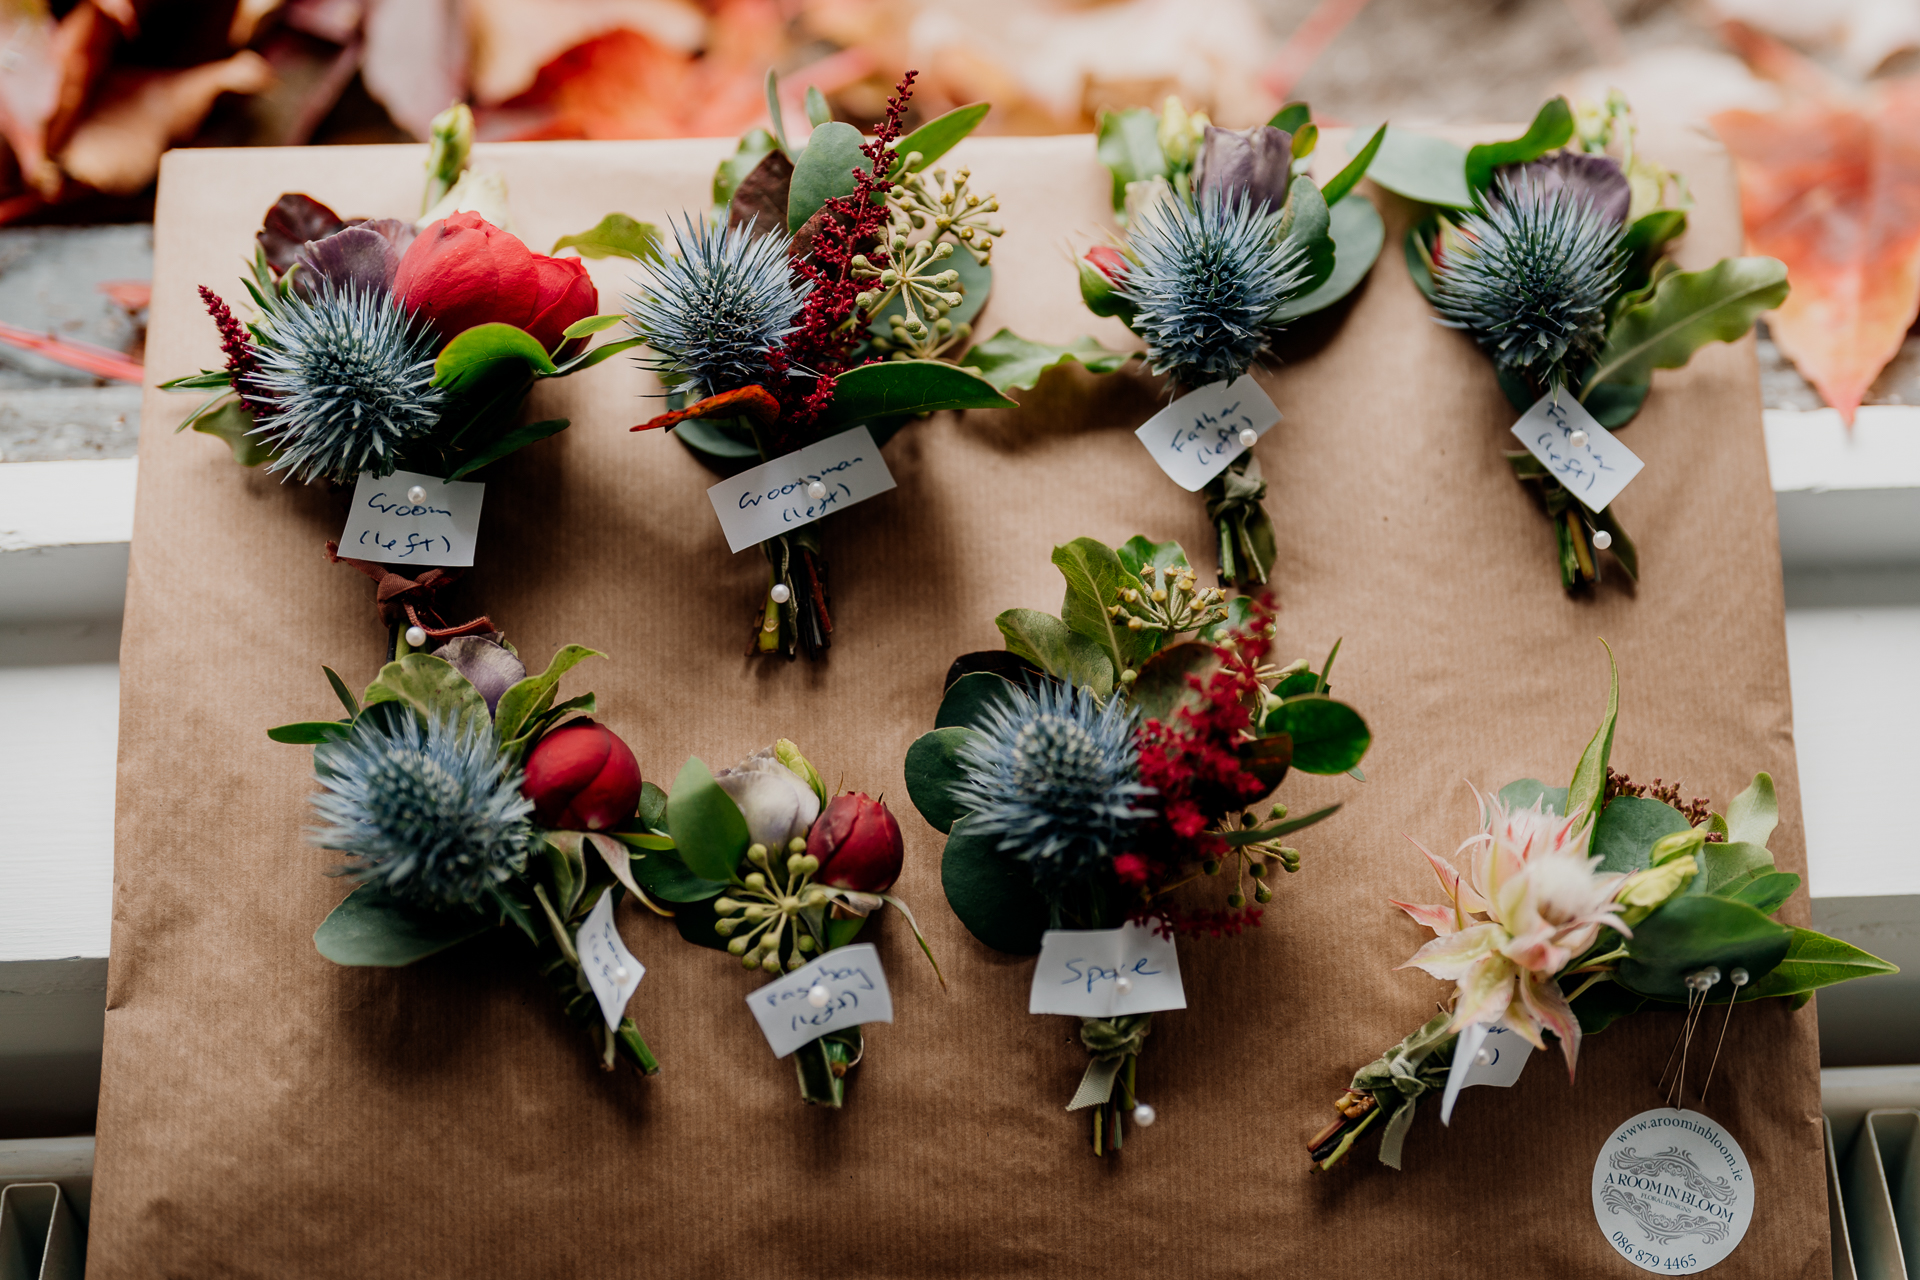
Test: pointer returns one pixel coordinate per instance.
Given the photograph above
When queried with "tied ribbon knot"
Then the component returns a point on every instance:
(1234, 499)
(1111, 1041)
(1404, 1074)
(399, 597)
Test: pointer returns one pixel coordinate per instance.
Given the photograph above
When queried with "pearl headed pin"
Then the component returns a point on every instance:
(1602, 539)
(417, 494)
(817, 996)
(1578, 439)
(416, 638)
(817, 491)
(1123, 984)
(1249, 437)
(780, 593)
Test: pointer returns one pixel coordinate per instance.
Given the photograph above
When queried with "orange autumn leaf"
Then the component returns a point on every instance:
(1830, 185)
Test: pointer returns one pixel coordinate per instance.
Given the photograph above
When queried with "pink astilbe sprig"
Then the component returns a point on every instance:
(242, 361)
(823, 343)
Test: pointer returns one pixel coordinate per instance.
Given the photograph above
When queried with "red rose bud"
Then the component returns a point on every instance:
(858, 844)
(1111, 262)
(581, 777)
(567, 296)
(463, 271)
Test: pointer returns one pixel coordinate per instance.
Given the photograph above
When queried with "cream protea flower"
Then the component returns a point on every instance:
(1522, 903)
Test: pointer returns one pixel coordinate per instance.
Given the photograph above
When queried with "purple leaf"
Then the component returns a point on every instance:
(488, 667)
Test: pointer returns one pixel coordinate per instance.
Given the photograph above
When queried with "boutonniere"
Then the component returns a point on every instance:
(1226, 239)
(1550, 251)
(769, 867)
(398, 344)
(1572, 907)
(470, 804)
(1104, 785)
(806, 319)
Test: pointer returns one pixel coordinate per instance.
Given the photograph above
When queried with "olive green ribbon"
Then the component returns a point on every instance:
(1111, 1041)
(1404, 1074)
(1234, 500)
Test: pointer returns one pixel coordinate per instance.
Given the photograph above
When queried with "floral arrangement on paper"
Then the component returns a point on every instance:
(829, 289)
(1572, 907)
(1551, 251)
(1110, 765)
(769, 867)
(468, 802)
(385, 344)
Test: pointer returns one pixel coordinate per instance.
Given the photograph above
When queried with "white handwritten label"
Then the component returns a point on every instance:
(386, 525)
(1672, 1192)
(855, 991)
(1594, 471)
(1507, 1056)
(611, 970)
(1104, 973)
(779, 496)
(1194, 438)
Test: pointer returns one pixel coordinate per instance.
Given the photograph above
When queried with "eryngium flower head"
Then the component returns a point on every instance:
(349, 375)
(1530, 276)
(1204, 281)
(713, 310)
(1054, 774)
(432, 814)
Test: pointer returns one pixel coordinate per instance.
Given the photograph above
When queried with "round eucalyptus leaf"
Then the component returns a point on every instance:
(933, 771)
(992, 893)
(371, 927)
(1328, 737)
(1690, 933)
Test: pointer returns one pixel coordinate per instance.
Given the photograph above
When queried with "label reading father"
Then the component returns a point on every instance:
(855, 988)
(1105, 973)
(1194, 438)
(1507, 1056)
(779, 496)
(1672, 1192)
(1594, 471)
(387, 526)
(611, 970)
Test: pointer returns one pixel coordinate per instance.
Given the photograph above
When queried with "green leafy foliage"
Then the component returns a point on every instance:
(975, 287)
(1625, 834)
(938, 136)
(1769, 891)
(1349, 177)
(1552, 128)
(527, 698)
(1273, 831)
(1688, 309)
(893, 388)
(666, 876)
(1161, 689)
(1590, 775)
(1129, 145)
(1329, 737)
(969, 699)
(1524, 793)
(1814, 960)
(307, 733)
(1604, 1004)
(933, 771)
(775, 116)
(1094, 577)
(372, 928)
(231, 422)
(1047, 642)
(509, 442)
(1754, 813)
(1307, 225)
(1357, 235)
(1423, 169)
(1009, 362)
(1137, 553)
(429, 686)
(1645, 242)
(1727, 868)
(707, 826)
(483, 349)
(992, 892)
(1291, 117)
(1691, 932)
(619, 236)
(824, 171)
(733, 171)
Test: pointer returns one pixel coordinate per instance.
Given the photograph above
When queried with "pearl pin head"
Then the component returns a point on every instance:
(1482, 1059)
(817, 996)
(1578, 439)
(1249, 437)
(417, 494)
(1123, 984)
(817, 491)
(1144, 1115)
(620, 973)
(780, 594)
(416, 638)
(1602, 539)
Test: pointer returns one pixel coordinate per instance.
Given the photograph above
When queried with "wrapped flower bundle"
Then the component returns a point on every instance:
(1110, 758)
(1550, 250)
(1572, 907)
(466, 800)
(383, 344)
(826, 291)
(765, 865)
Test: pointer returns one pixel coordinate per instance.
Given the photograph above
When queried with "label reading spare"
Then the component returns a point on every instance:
(1194, 438)
(1580, 453)
(409, 518)
(1106, 973)
(1672, 1192)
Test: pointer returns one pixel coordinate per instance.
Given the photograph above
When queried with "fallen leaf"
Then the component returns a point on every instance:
(117, 148)
(1863, 33)
(514, 39)
(98, 361)
(129, 295)
(1830, 185)
(48, 71)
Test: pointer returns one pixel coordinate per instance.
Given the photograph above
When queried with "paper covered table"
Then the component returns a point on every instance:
(264, 1112)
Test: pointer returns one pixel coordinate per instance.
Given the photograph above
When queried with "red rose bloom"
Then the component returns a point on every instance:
(566, 296)
(463, 271)
(581, 777)
(858, 844)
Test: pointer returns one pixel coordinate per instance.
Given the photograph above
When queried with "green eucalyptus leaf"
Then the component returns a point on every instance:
(371, 927)
(724, 444)
(1348, 178)
(1814, 960)
(707, 827)
(1290, 118)
(663, 874)
(307, 733)
(1552, 128)
(1012, 363)
(1328, 737)
(824, 171)
(614, 236)
(511, 442)
(1129, 145)
(933, 771)
(1525, 793)
(1768, 892)
(428, 685)
(1754, 813)
(1423, 169)
(1688, 309)
(939, 135)
(969, 699)
(1094, 577)
(1306, 226)
(485, 348)
(818, 112)
(1689, 933)
(1357, 234)
(892, 388)
(1590, 775)
(1726, 869)
(1046, 641)
(528, 697)
(992, 892)
(1628, 828)
(231, 422)
(733, 171)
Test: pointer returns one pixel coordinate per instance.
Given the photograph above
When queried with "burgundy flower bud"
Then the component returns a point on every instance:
(1258, 161)
(581, 777)
(858, 844)
(1109, 261)
(1593, 180)
(488, 666)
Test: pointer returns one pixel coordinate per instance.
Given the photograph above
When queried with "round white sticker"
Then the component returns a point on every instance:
(1672, 1192)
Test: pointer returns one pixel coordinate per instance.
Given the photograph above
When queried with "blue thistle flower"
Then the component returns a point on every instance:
(1204, 280)
(713, 310)
(1531, 276)
(432, 814)
(1054, 774)
(350, 377)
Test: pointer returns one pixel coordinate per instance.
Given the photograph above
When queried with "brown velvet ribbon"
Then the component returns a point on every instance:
(399, 597)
